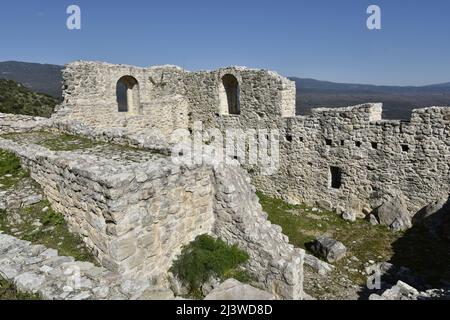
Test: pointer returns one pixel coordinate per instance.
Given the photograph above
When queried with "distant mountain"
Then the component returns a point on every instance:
(17, 99)
(43, 78)
(398, 101)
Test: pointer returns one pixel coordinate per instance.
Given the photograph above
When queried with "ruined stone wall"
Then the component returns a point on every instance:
(90, 97)
(14, 123)
(171, 98)
(136, 216)
(265, 97)
(377, 158)
(241, 220)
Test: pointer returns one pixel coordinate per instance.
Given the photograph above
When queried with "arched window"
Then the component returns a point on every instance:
(127, 91)
(229, 95)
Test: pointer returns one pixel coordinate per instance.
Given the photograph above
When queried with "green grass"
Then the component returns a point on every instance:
(56, 141)
(207, 257)
(413, 249)
(53, 233)
(66, 142)
(9, 292)
(10, 170)
(17, 99)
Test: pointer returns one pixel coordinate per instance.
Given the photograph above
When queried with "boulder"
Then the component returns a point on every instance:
(349, 215)
(394, 214)
(329, 249)
(373, 220)
(321, 267)
(232, 289)
(403, 291)
(325, 205)
(436, 218)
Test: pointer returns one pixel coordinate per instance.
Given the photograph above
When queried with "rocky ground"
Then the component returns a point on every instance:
(368, 248)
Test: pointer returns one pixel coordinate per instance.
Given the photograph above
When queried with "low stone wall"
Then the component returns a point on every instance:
(37, 269)
(14, 123)
(241, 220)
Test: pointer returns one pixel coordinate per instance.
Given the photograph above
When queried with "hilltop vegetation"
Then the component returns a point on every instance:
(45, 78)
(17, 99)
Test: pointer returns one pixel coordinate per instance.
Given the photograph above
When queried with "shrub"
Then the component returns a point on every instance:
(53, 218)
(207, 257)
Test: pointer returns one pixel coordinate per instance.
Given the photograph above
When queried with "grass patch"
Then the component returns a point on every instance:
(66, 142)
(8, 292)
(56, 141)
(39, 224)
(10, 170)
(207, 257)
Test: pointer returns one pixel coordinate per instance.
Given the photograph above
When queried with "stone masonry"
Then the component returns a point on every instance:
(135, 215)
(369, 159)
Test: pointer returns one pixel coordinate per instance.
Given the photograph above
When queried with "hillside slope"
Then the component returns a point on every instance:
(17, 99)
(45, 78)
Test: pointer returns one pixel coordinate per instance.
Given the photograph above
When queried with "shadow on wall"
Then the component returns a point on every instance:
(422, 256)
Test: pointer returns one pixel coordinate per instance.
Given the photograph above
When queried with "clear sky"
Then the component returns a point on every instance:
(322, 39)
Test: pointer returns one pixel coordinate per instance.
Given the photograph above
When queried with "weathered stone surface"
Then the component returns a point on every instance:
(394, 214)
(318, 265)
(102, 200)
(329, 249)
(349, 215)
(436, 218)
(70, 280)
(403, 291)
(232, 289)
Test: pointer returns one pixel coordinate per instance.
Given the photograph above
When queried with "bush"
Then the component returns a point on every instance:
(207, 257)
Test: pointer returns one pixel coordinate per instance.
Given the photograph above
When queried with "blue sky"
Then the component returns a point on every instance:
(322, 39)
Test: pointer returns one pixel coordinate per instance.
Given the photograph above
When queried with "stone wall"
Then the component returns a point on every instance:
(136, 216)
(14, 123)
(37, 269)
(241, 220)
(170, 97)
(90, 96)
(375, 158)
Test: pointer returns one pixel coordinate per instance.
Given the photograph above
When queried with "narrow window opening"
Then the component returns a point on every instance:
(342, 143)
(335, 177)
(374, 145)
(127, 93)
(229, 95)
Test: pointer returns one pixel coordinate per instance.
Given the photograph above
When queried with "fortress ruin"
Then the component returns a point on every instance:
(349, 157)
(136, 215)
